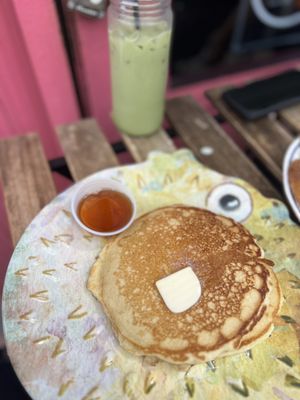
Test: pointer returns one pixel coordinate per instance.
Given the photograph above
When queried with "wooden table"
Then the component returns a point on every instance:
(26, 174)
(27, 179)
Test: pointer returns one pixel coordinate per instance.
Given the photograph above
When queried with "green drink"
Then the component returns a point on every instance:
(139, 58)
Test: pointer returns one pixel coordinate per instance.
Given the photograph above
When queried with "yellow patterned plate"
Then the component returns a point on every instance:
(60, 342)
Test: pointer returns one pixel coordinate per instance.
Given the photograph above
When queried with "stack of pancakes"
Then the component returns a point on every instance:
(240, 292)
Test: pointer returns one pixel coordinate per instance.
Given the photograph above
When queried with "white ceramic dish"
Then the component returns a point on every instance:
(292, 153)
(94, 185)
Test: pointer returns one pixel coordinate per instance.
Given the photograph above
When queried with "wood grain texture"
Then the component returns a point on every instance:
(202, 133)
(291, 118)
(266, 137)
(140, 147)
(27, 181)
(86, 148)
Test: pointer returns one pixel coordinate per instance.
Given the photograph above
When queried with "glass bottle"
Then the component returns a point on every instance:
(139, 38)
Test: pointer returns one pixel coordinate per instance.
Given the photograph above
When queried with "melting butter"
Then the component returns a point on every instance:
(180, 290)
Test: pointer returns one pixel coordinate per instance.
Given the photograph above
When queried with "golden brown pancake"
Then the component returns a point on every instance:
(240, 292)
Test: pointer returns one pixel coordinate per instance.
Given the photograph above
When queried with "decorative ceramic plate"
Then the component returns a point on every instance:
(292, 154)
(59, 340)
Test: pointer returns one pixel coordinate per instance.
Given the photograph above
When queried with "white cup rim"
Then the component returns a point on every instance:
(94, 185)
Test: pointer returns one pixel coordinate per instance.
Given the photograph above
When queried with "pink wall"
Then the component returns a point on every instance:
(90, 45)
(36, 87)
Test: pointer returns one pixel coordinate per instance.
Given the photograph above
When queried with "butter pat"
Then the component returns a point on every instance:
(180, 291)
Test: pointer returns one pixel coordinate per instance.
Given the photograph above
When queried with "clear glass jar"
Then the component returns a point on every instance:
(139, 38)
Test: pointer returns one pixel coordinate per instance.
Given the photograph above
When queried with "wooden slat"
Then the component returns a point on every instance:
(267, 138)
(86, 148)
(27, 181)
(140, 147)
(201, 132)
(291, 118)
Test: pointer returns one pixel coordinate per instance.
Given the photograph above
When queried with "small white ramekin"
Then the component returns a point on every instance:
(291, 155)
(95, 185)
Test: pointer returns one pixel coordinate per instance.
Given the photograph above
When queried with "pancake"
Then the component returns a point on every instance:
(240, 292)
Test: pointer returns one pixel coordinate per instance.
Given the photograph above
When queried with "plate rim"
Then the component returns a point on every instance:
(288, 158)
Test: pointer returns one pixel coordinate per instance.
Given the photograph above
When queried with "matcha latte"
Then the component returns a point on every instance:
(139, 68)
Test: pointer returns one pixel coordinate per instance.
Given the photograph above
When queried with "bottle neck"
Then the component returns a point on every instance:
(139, 12)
